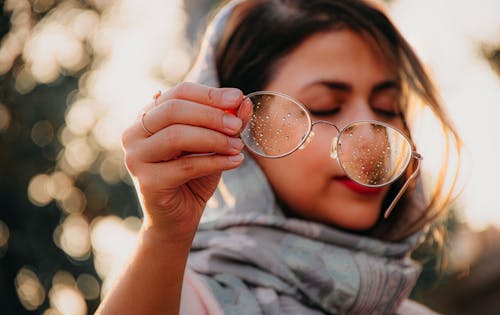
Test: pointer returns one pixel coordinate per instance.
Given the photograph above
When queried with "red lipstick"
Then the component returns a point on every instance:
(360, 189)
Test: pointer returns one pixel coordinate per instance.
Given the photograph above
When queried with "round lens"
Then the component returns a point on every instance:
(274, 125)
(373, 154)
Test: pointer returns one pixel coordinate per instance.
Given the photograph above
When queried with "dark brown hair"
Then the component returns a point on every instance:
(260, 33)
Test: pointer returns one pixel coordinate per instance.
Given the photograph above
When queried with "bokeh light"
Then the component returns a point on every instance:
(29, 289)
(73, 236)
(4, 117)
(89, 286)
(81, 117)
(112, 242)
(73, 202)
(42, 133)
(121, 52)
(51, 311)
(38, 190)
(64, 295)
(80, 154)
(4, 238)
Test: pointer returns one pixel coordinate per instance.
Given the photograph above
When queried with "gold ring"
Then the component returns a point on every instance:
(141, 121)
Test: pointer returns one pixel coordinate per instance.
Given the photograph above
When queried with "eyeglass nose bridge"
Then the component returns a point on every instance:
(333, 148)
(326, 123)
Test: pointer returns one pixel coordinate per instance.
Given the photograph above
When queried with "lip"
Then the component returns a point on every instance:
(357, 188)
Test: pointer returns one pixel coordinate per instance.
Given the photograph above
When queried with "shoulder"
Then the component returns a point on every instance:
(196, 297)
(409, 307)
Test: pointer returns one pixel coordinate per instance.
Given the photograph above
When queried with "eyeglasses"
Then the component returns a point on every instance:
(371, 153)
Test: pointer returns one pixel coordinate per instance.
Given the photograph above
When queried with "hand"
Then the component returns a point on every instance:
(177, 168)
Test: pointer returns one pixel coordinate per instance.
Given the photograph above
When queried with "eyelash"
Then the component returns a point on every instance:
(323, 113)
(333, 111)
(387, 113)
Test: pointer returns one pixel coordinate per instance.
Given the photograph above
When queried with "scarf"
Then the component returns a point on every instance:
(255, 260)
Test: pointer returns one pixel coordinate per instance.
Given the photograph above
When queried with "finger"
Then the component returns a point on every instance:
(172, 174)
(224, 98)
(177, 111)
(245, 111)
(176, 140)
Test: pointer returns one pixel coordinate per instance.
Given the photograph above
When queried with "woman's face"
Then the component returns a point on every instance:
(340, 78)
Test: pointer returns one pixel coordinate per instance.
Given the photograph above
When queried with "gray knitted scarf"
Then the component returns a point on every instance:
(255, 260)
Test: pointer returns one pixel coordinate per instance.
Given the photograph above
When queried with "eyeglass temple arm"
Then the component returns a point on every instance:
(405, 186)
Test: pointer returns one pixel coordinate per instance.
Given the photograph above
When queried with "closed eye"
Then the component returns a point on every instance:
(324, 113)
(387, 113)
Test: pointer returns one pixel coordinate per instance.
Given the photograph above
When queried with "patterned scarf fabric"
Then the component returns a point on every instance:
(255, 260)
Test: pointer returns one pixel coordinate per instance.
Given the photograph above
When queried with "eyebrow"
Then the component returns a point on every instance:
(385, 85)
(346, 87)
(336, 85)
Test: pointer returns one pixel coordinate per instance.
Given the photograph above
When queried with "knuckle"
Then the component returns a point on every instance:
(129, 136)
(227, 143)
(215, 118)
(186, 166)
(181, 89)
(212, 96)
(171, 107)
(171, 136)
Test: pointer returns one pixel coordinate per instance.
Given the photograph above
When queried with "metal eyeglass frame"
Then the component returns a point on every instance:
(335, 145)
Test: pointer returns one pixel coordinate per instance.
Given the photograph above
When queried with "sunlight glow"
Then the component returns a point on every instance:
(449, 40)
(112, 241)
(132, 66)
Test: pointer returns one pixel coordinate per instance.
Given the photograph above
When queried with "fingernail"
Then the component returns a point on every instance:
(236, 143)
(231, 122)
(229, 97)
(236, 158)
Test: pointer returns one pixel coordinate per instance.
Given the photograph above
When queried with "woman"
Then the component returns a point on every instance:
(298, 234)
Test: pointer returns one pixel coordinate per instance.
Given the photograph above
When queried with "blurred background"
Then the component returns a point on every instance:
(74, 73)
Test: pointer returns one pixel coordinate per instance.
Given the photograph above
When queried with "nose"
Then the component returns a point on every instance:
(362, 152)
(357, 110)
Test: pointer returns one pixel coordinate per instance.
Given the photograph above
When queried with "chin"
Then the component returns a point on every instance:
(359, 226)
(358, 219)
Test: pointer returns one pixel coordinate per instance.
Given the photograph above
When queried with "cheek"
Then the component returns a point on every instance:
(300, 178)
